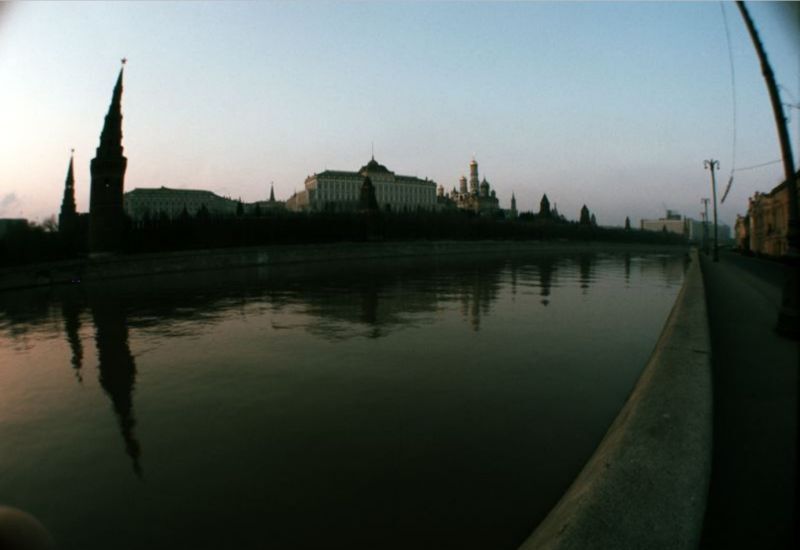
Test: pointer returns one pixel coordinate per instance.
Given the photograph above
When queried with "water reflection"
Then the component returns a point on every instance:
(338, 395)
(585, 263)
(627, 264)
(476, 293)
(371, 300)
(380, 297)
(117, 368)
(71, 311)
(546, 268)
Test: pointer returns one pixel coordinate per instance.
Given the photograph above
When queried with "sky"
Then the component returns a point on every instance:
(612, 105)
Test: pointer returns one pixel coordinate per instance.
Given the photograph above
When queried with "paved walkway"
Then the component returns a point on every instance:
(752, 499)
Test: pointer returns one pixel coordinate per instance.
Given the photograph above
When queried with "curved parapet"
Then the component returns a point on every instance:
(647, 482)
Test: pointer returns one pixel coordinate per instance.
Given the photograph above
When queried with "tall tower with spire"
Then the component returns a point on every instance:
(513, 205)
(474, 182)
(67, 219)
(106, 213)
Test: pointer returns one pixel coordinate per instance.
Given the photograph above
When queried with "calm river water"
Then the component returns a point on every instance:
(392, 404)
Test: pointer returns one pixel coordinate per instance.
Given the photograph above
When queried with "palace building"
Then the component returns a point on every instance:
(163, 201)
(340, 191)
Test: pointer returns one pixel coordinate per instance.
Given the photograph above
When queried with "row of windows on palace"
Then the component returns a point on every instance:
(327, 191)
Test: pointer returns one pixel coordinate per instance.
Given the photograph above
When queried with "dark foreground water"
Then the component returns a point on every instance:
(393, 404)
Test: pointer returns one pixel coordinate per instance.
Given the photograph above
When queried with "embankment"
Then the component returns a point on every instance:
(646, 484)
(116, 266)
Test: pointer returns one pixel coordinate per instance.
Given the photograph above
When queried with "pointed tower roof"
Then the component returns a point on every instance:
(68, 202)
(111, 136)
(271, 193)
(70, 181)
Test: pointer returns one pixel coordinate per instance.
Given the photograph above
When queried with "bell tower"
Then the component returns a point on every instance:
(474, 182)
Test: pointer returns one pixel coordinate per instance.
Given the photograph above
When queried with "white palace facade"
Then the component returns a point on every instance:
(340, 191)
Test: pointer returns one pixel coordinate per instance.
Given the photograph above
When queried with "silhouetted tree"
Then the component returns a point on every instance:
(239, 208)
(49, 224)
(594, 221)
(544, 207)
(368, 202)
(257, 211)
(202, 213)
(585, 218)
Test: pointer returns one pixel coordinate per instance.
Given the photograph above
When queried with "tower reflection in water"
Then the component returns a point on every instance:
(585, 266)
(382, 302)
(546, 268)
(71, 312)
(117, 368)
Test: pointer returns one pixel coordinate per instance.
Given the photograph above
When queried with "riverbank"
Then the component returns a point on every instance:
(646, 484)
(120, 266)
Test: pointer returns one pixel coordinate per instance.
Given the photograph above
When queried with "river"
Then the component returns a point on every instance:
(410, 403)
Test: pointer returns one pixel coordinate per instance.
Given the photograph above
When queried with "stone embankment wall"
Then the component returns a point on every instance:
(647, 482)
(99, 268)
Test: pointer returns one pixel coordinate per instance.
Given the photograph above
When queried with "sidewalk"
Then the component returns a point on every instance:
(752, 501)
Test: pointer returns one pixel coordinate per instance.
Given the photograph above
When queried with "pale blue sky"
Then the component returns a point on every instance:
(610, 104)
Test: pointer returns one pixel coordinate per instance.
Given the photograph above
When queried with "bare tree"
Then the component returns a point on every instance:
(50, 224)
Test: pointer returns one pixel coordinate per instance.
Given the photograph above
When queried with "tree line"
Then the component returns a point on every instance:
(35, 243)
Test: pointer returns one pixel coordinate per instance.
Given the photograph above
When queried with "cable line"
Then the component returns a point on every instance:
(759, 165)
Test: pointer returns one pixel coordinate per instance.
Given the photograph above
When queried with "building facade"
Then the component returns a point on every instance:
(742, 229)
(767, 222)
(145, 202)
(672, 223)
(340, 191)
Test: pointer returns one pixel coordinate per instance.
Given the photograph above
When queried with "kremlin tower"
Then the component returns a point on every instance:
(106, 214)
(68, 218)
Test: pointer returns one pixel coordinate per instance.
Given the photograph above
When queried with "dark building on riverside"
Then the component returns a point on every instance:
(106, 212)
(68, 217)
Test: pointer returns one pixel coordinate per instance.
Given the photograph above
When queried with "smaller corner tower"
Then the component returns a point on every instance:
(68, 217)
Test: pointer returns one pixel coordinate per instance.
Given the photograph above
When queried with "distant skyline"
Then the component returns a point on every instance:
(614, 105)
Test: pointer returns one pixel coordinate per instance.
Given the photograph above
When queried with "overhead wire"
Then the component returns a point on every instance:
(758, 165)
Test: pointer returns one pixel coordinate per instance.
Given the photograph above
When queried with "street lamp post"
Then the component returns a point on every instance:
(711, 164)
